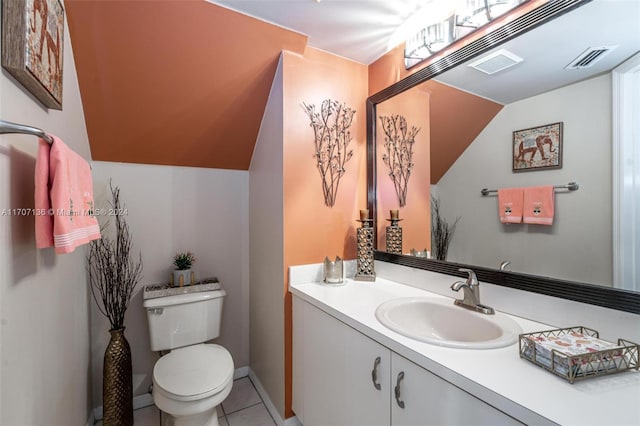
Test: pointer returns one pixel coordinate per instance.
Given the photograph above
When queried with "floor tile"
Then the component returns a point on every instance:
(242, 395)
(146, 416)
(243, 407)
(256, 415)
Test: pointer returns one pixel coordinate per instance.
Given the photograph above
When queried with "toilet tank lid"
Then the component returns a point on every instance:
(180, 299)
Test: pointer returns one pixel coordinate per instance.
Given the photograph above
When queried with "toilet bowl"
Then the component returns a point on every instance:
(194, 378)
(190, 382)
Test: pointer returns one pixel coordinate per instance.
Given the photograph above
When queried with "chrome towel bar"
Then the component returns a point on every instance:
(571, 186)
(9, 127)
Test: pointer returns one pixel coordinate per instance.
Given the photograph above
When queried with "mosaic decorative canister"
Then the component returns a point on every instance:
(394, 233)
(365, 268)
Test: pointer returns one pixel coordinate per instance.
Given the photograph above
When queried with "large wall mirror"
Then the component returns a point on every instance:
(459, 121)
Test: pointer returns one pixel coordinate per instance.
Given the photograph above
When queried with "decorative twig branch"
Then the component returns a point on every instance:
(441, 231)
(331, 139)
(112, 272)
(398, 143)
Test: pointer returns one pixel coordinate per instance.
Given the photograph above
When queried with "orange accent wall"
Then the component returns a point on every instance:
(312, 78)
(313, 230)
(180, 83)
(457, 118)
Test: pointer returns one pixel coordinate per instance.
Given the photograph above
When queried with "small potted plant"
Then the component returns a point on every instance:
(183, 261)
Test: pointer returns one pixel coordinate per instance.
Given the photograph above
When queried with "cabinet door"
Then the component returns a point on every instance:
(427, 399)
(332, 382)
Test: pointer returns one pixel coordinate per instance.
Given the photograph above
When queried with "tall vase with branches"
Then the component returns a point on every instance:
(441, 231)
(113, 275)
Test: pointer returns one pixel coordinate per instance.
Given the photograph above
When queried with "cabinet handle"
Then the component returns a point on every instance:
(374, 373)
(397, 390)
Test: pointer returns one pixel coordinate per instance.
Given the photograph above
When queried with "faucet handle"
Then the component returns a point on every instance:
(471, 279)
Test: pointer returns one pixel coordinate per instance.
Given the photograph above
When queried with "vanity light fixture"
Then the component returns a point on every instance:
(441, 22)
(430, 40)
(496, 61)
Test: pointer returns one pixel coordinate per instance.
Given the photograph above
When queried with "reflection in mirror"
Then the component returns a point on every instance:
(444, 22)
(467, 123)
(403, 147)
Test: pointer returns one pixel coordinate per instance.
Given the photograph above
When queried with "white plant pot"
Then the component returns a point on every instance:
(185, 274)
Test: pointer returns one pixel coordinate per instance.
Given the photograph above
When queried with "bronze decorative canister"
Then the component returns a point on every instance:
(365, 267)
(117, 385)
(394, 233)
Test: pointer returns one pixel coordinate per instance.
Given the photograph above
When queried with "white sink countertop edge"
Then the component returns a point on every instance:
(497, 376)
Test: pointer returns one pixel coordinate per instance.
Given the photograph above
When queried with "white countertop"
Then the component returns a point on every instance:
(497, 376)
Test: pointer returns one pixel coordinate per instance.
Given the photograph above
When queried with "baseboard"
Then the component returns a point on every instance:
(139, 401)
(292, 421)
(241, 372)
(271, 408)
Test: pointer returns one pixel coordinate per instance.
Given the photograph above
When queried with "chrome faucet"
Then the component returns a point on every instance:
(504, 264)
(471, 290)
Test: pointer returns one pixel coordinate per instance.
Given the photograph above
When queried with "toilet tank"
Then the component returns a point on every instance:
(184, 319)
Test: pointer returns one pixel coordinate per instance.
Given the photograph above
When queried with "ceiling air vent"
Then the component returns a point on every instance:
(496, 61)
(589, 57)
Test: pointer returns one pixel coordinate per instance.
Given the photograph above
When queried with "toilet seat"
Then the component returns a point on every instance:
(194, 372)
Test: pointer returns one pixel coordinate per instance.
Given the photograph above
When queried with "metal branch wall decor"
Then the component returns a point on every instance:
(398, 143)
(331, 139)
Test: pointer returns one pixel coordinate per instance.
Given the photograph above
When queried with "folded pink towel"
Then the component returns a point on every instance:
(64, 193)
(510, 205)
(538, 205)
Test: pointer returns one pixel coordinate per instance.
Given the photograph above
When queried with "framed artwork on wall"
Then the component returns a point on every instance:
(538, 148)
(32, 47)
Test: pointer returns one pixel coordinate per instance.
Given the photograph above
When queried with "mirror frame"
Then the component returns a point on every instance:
(622, 300)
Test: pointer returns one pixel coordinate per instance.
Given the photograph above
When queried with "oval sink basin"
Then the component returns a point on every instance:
(440, 322)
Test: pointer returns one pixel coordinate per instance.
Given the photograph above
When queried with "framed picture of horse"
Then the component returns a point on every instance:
(538, 148)
(32, 44)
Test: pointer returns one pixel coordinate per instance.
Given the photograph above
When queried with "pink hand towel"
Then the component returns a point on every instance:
(63, 198)
(538, 205)
(510, 205)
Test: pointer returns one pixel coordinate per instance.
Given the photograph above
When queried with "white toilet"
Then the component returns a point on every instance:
(194, 378)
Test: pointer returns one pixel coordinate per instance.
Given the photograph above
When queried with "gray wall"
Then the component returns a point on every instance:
(266, 225)
(44, 306)
(173, 209)
(578, 245)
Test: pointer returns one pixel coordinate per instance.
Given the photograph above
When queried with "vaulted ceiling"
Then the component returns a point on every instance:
(174, 82)
(185, 83)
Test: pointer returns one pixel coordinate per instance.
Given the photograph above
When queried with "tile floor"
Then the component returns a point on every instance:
(243, 407)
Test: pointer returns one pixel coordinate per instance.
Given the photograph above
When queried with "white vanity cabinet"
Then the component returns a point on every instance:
(422, 398)
(333, 381)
